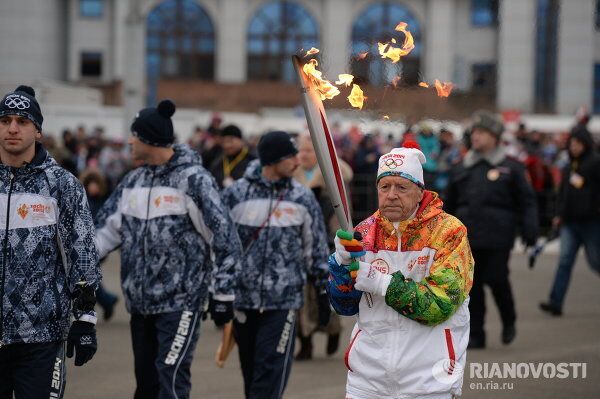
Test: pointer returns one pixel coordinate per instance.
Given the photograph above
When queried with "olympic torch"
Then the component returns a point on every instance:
(325, 151)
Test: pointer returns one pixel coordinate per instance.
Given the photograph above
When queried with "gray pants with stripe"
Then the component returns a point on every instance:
(266, 349)
(163, 350)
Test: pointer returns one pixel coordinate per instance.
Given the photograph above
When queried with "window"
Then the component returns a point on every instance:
(484, 12)
(91, 8)
(91, 65)
(180, 43)
(597, 88)
(277, 31)
(377, 24)
(484, 78)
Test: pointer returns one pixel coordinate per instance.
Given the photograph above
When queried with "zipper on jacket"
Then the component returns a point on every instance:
(144, 239)
(262, 273)
(5, 259)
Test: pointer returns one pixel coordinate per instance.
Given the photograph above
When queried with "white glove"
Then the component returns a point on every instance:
(342, 257)
(369, 279)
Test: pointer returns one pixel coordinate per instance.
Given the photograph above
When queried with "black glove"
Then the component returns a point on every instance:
(82, 337)
(221, 312)
(324, 309)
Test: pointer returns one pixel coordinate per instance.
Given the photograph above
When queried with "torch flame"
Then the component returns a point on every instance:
(325, 88)
(356, 97)
(312, 51)
(386, 50)
(443, 89)
(386, 117)
(409, 42)
(345, 79)
(424, 84)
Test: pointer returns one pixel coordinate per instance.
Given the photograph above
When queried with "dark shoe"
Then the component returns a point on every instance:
(306, 348)
(550, 308)
(476, 343)
(508, 334)
(333, 343)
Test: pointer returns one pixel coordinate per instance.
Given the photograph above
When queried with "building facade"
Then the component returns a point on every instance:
(531, 55)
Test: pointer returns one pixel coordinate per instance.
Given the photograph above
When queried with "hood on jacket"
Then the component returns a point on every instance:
(584, 136)
(41, 160)
(183, 156)
(254, 174)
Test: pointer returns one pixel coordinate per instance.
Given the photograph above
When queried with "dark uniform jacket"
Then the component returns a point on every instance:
(492, 197)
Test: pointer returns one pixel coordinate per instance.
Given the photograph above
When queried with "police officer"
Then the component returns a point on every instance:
(490, 194)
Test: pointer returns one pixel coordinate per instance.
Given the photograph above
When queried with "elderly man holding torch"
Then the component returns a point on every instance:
(415, 261)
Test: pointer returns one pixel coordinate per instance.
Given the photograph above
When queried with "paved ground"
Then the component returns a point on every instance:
(573, 338)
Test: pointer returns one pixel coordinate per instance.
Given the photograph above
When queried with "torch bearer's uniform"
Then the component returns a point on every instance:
(412, 342)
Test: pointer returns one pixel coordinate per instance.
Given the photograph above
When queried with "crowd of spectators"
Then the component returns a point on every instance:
(544, 155)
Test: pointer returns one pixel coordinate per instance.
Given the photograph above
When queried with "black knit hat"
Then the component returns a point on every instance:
(153, 126)
(231, 130)
(276, 146)
(22, 102)
(487, 120)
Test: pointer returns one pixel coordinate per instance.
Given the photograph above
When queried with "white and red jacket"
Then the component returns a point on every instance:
(412, 342)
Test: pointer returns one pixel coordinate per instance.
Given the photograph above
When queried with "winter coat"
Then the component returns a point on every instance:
(283, 237)
(493, 198)
(47, 237)
(412, 342)
(217, 169)
(579, 191)
(430, 145)
(172, 228)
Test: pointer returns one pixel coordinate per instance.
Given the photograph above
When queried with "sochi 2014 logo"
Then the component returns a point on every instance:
(381, 265)
(16, 101)
(22, 211)
(393, 163)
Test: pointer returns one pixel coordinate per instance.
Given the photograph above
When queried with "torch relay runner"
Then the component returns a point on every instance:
(415, 261)
(49, 265)
(176, 239)
(282, 231)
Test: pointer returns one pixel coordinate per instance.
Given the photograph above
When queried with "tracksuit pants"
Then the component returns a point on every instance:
(163, 350)
(491, 268)
(266, 350)
(32, 371)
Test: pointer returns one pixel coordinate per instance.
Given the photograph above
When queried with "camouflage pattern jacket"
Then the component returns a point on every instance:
(283, 236)
(175, 235)
(47, 237)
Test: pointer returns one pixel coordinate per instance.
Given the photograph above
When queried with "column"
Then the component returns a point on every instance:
(575, 73)
(516, 54)
(336, 36)
(231, 54)
(134, 82)
(439, 40)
